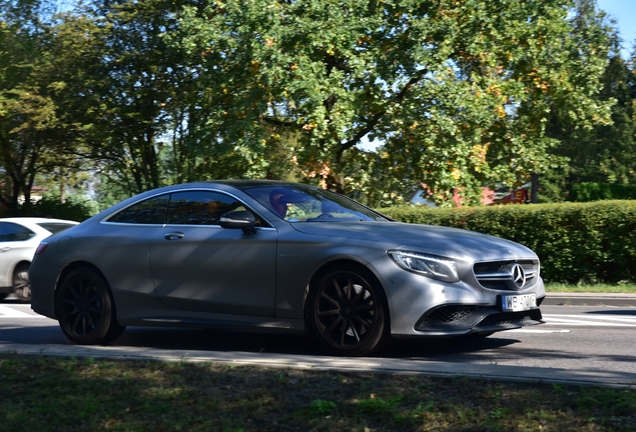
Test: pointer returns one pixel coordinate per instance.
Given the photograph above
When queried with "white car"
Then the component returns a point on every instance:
(19, 238)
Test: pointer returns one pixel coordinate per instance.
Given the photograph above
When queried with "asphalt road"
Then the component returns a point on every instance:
(577, 345)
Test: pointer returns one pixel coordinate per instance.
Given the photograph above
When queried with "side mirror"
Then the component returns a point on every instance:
(241, 219)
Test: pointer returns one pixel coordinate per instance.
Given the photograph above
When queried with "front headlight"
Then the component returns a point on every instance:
(432, 266)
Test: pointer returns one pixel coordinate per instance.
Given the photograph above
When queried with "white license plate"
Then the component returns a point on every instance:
(514, 303)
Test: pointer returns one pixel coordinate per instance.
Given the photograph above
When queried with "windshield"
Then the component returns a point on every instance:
(300, 203)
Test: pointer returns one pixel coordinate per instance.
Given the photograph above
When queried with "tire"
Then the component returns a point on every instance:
(21, 284)
(85, 308)
(346, 310)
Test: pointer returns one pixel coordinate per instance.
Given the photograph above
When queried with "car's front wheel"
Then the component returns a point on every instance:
(21, 284)
(347, 311)
(85, 308)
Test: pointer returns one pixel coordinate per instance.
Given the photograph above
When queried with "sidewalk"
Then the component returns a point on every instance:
(590, 299)
(340, 364)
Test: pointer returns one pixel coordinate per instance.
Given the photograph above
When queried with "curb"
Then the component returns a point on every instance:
(589, 299)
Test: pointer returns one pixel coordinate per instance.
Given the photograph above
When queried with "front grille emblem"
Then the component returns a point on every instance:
(518, 275)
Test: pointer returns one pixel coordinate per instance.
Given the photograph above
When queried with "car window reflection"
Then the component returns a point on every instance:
(202, 208)
(152, 211)
(298, 204)
(194, 207)
(10, 232)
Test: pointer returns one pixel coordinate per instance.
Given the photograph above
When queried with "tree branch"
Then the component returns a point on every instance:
(375, 119)
(276, 122)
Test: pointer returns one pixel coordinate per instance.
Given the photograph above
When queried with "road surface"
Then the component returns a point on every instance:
(577, 344)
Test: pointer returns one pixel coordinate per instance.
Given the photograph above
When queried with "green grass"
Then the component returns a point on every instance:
(591, 288)
(53, 394)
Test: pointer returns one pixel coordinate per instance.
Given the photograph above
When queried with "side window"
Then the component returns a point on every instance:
(201, 208)
(151, 211)
(10, 232)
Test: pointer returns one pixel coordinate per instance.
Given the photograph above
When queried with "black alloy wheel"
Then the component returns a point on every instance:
(21, 284)
(85, 308)
(347, 312)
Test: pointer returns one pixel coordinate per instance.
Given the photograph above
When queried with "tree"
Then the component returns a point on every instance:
(459, 92)
(149, 117)
(130, 84)
(609, 154)
(34, 130)
(602, 152)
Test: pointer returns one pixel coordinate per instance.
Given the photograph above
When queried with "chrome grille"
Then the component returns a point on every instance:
(500, 275)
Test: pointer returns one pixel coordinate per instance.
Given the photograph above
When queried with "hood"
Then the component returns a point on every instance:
(434, 239)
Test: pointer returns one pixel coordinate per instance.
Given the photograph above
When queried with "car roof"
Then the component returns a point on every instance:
(246, 183)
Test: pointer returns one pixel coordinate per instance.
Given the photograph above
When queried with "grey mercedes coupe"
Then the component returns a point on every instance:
(274, 255)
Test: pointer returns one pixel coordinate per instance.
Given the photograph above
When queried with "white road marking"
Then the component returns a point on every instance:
(10, 312)
(589, 320)
(587, 323)
(597, 317)
(537, 331)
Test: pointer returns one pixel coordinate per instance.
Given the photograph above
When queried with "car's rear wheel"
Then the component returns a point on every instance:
(21, 284)
(85, 308)
(347, 311)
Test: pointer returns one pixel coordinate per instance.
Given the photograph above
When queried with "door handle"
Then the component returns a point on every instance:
(174, 236)
(6, 249)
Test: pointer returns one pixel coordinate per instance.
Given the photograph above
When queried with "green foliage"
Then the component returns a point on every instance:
(606, 401)
(320, 407)
(621, 287)
(109, 191)
(378, 406)
(576, 242)
(584, 192)
(604, 152)
(76, 208)
(40, 131)
(458, 92)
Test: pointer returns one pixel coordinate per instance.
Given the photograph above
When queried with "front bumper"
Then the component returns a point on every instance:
(464, 319)
(420, 306)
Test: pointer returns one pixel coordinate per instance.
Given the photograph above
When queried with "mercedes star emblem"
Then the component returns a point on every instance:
(518, 275)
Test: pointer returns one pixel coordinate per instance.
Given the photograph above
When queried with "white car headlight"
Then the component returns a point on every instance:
(432, 266)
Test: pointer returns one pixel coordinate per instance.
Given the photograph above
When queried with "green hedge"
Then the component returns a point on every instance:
(576, 242)
(75, 208)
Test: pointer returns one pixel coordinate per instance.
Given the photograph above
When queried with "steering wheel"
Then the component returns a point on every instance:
(324, 216)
